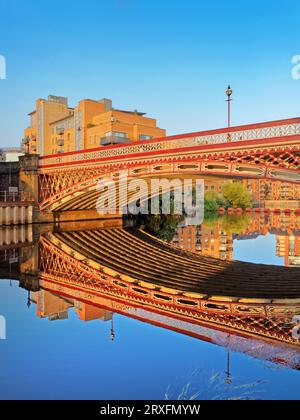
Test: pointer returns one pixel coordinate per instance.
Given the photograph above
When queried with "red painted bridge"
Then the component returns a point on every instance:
(266, 150)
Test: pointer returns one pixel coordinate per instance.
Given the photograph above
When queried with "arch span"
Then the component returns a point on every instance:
(82, 192)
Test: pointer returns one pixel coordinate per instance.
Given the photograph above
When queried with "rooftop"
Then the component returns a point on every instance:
(64, 118)
(10, 150)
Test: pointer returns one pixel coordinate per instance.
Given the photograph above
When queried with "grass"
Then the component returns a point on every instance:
(213, 387)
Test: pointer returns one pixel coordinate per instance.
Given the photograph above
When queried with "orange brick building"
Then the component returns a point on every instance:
(272, 190)
(205, 240)
(57, 128)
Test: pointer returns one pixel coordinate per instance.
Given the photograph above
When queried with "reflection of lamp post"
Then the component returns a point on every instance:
(112, 330)
(229, 92)
(28, 300)
(228, 373)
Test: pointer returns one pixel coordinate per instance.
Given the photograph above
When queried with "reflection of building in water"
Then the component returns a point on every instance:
(287, 231)
(87, 312)
(214, 241)
(272, 190)
(205, 240)
(50, 305)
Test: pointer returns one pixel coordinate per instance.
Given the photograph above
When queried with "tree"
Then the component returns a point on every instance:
(235, 224)
(237, 195)
(163, 226)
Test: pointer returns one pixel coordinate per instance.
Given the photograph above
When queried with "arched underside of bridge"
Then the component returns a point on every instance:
(76, 189)
(136, 189)
(135, 257)
(133, 268)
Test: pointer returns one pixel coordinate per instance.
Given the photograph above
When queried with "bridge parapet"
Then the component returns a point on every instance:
(254, 132)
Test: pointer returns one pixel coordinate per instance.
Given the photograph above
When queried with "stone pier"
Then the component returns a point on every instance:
(15, 214)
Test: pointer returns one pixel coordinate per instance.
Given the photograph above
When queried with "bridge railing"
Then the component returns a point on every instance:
(15, 197)
(257, 132)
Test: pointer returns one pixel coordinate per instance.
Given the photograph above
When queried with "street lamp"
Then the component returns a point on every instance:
(229, 92)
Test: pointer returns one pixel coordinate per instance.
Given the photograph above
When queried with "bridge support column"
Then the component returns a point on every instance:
(15, 218)
(29, 265)
(29, 180)
(29, 214)
(7, 215)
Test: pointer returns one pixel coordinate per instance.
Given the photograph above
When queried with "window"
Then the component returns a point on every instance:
(115, 134)
(145, 137)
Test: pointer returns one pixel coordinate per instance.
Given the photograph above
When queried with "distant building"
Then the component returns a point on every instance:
(57, 128)
(205, 240)
(288, 247)
(262, 190)
(10, 154)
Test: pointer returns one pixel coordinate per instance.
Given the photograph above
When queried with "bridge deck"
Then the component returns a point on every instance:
(133, 253)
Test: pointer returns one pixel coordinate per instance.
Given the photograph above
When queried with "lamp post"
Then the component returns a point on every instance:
(229, 92)
(112, 330)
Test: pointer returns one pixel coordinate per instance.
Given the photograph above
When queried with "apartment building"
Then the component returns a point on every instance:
(57, 128)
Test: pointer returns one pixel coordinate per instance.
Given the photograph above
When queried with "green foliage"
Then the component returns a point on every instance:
(163, 227)
(237, 195)
(210, 206)
(211, 219)
(212, 202)
(235, 224)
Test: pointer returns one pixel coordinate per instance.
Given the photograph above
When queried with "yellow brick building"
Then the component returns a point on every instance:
(57, 128)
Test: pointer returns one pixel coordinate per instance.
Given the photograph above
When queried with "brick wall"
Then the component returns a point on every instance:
(9, 175)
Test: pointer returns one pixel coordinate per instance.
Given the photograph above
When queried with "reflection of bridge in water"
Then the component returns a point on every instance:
(245, 307)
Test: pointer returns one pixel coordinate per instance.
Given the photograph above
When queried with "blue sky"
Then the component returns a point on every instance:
(171, 58)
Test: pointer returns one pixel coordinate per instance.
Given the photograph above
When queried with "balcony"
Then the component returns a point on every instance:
(60, 131)
(110, 140)
(60, 142)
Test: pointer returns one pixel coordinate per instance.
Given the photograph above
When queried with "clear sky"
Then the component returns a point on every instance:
(172, 59)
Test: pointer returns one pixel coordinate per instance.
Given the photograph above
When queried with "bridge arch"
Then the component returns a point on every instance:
(83, 195)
